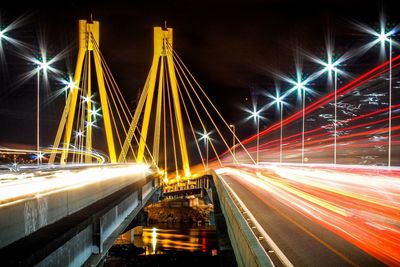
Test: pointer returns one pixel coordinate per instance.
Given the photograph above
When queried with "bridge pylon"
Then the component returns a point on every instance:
(89, 37)
(162, 71)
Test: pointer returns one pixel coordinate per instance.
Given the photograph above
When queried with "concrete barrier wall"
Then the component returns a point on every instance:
(147, 189)
(24, 217)
(114, 217)
(248, 250)
(73, 253)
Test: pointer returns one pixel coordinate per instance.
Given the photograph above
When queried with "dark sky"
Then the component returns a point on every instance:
(230, 46)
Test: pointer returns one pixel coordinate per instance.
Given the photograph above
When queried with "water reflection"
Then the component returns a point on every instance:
(164, 238)
(154, 239)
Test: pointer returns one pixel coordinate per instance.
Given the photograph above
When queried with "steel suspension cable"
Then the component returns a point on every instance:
(205, 109)
(212, 104)
(172, 126)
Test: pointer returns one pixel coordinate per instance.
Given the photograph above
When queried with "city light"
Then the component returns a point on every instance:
(95, 112)
(78, 134)
(256, 115)
(278, 100)
(43, 64)
(87, 99)
(300, 87)
(206, 137)
(384, 36)
(39, 155)
(5, 36)
(70, 84)
(91, 124)
(330, 67)
(381, 36)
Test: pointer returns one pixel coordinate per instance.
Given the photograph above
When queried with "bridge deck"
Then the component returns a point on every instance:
(303, 241)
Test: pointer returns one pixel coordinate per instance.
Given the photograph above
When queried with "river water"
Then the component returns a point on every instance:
(166, 245)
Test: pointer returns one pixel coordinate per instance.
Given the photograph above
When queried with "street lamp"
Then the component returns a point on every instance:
(384, 37)
(233, 141)
(301, 88)
(390, 105)
(330, 67)
(278, 100)
(41, 65)
(206, 137)
(69, 86)
(256, 114)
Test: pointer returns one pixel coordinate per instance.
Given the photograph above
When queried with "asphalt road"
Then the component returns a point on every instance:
(303, 241)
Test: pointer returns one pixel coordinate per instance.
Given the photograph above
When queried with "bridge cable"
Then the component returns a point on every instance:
(191, 126)
(75, 156)
(200, 120)
(198, 116)
(214, 107)
(172, 127)
(111, 84)
(117, 110)
(165, 131)
(205, 109)
(116, 88)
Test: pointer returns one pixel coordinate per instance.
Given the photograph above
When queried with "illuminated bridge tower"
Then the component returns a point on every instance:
(82, 86)
(162, 72)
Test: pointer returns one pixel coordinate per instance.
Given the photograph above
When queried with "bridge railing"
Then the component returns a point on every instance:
(248, 250)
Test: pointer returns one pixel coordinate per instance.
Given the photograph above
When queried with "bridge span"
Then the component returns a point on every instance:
(70, 215)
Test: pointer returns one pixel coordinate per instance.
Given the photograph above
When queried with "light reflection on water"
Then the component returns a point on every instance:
(161, 238)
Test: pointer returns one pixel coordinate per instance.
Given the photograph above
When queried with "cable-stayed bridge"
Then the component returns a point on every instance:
(318, 187)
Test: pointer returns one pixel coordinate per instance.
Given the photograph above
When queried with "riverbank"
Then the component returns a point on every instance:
(183, 210)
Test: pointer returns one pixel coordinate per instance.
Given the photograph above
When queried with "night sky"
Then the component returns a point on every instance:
(231, 47)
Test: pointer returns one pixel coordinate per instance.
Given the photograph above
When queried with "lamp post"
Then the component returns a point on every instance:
(41, 65)
(278, 100)
(233, 141)
(300, 85)
(335, 123)
(390, 105)
(38, 117)
(384, 37)
(206, 137)
(256, 114)
(330, 67)
(280, 150)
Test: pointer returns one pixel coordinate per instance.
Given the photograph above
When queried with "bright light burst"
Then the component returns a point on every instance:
(69, 84)
(277, 99)
(299, 83)
(87, 99)
(43, 64)
(78, 134)
(95, 112)
(330, 64)
(205, 136)
(40, 155)
(381, 36)
(91, 124)
(5, 37)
